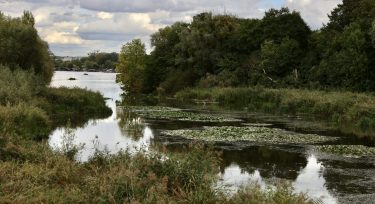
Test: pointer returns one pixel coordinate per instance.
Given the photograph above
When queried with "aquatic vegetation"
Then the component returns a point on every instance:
(350, 112)
(168, 113)
(348, 150)
(252, 134)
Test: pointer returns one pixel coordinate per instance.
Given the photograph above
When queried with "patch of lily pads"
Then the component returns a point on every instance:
(168, 113)
(249, 133)
(348, 150)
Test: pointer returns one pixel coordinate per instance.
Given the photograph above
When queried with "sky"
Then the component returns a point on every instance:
(77, 27)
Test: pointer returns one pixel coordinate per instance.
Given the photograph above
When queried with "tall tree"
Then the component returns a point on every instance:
(131, 65)
(21, 46)
(280, 60)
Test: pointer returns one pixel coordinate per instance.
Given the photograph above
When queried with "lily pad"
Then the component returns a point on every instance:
(253, 134)
(348, 150)
(167, 113)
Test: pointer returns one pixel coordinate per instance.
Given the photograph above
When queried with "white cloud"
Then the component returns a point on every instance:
(315, 12)
(118, 28)
(80, 26)
(55, 37)
(104, 15)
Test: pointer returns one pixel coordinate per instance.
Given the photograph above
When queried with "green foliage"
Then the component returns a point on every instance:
(281, 60)
(278, 50)
(65, 104)
(131, 65)
(345, 63)
(280, 24)
(29, 109)
(29, 121)
(17, 86)
(51, 177)
(21, 47)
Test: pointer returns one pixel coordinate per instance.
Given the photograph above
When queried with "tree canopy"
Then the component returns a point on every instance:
(21, 47)
(131, 65)
(279, 50)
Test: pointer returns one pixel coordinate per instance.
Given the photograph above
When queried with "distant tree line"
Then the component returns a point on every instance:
(22, 48)
(98, 61)
(279, 50)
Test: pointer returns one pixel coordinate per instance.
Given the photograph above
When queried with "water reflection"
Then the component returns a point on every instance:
(268, 160)
(250, 164)
(311, 181)
(118, 132)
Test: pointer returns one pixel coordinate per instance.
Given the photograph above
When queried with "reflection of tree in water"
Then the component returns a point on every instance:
(270, 162)
(130, 124)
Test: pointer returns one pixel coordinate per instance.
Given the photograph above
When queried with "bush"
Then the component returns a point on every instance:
(17, 86)
(64, 104)
(28, 121)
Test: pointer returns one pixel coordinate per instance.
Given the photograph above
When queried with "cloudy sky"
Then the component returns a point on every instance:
(76, 27)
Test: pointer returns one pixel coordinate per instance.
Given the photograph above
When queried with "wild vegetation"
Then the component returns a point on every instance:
(348, 150)
(303, 71)
(251, 134)
(31, 172)
(350, 112)
(166, 113)
(15, 53)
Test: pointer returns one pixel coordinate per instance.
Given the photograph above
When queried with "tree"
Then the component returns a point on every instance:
(360, 11)
(345, 63)
(131, 65)
(280, 24)
(21, 46)
(279, 60)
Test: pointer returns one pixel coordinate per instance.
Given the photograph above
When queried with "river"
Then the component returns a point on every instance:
(333, 179)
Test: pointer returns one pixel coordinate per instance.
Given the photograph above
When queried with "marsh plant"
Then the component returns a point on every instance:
(67, 146)
(350, 112)
(251, 134)
(168, 113)
(348, 150)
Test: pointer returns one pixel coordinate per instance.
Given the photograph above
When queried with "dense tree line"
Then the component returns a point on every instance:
(96, 60)
(22, 48)
(279, 50)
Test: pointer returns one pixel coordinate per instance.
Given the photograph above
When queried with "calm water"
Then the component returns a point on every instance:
(332, 179)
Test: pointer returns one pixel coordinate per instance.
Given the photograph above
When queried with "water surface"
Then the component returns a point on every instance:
(333, 179)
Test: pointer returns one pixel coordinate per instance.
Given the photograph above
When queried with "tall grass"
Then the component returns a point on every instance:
(50, 177)
(64, 104)
(351, 112)
(17, 86)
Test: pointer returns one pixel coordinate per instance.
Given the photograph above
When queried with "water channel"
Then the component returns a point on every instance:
(332, 179)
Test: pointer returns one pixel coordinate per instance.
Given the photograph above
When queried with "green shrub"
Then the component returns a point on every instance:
(64, 104)
(28, 121)
(17, 86)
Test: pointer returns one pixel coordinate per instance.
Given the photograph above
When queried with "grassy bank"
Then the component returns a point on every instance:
(49, 177)
(32, 110)
(350, 112)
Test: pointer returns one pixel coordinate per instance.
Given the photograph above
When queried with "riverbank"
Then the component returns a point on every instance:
(352, 113)
(30, 171)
